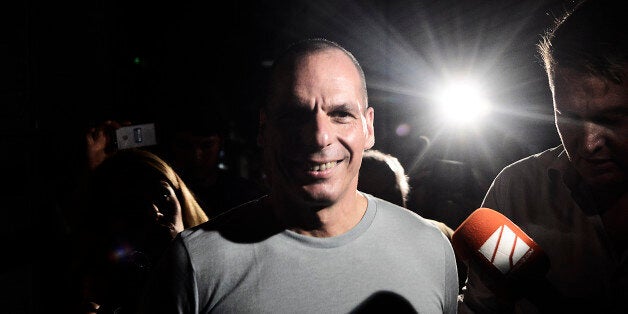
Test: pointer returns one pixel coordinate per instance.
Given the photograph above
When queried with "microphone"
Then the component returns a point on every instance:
(512, 265)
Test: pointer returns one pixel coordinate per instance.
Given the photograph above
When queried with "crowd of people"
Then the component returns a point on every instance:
(331, 225)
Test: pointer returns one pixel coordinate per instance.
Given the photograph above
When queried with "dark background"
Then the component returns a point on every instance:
(68, 65)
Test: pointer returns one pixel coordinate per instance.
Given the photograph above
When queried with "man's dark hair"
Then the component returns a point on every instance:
(286, 61)
(591, 37)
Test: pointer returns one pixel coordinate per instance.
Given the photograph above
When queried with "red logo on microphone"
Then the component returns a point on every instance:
(504, 249)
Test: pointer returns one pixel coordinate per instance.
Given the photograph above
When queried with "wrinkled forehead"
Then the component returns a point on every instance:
(568, 82)
(328, 74)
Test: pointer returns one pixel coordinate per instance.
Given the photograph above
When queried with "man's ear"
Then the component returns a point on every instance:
(261, 128)
(369, 115)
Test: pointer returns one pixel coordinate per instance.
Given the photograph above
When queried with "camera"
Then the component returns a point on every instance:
(137, 135)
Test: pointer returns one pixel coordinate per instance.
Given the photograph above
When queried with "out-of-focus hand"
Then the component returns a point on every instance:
(98, 140)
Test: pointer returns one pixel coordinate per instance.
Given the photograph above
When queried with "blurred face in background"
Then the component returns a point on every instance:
(196, 156)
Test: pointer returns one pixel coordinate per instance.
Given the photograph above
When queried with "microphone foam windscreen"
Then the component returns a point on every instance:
(493, 239)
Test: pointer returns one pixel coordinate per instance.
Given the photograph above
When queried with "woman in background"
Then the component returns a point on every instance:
(135, 205)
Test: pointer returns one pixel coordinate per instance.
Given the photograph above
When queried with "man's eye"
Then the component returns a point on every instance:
(342, 115)
(207, 144)
(567, 119)
(291, 118)
(184, 145)
(612, 120)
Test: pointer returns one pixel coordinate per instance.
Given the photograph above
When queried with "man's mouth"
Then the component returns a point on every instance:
(598, 162)
(322, 166)
(600, 166)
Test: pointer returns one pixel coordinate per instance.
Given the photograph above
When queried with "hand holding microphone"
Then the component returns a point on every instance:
(510, 263)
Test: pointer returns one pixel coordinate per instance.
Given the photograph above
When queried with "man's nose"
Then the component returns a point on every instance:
(198, 152)
(318, 132)
(594, 137)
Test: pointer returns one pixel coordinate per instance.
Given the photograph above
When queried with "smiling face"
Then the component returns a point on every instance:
(315, 129)
(592, 119)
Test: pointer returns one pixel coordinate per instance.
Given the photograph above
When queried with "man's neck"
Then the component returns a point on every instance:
(615, 219)
(322, 222)
(609, 197)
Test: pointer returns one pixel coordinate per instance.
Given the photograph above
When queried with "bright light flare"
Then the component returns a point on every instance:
(462, 103)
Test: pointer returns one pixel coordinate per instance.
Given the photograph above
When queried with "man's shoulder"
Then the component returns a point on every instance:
(539, 162)
(247, 223)
(397, 215)
(530, 179)
(388, 207)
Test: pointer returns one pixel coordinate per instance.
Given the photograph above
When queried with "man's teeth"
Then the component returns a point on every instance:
(321, 167)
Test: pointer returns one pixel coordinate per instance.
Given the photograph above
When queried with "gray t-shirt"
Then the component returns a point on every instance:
(392, 260)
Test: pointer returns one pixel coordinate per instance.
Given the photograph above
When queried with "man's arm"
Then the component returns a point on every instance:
(172, 285)
(451, 278)
(476, 297)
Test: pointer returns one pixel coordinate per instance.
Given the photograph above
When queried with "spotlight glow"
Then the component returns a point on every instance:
(462, 103)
